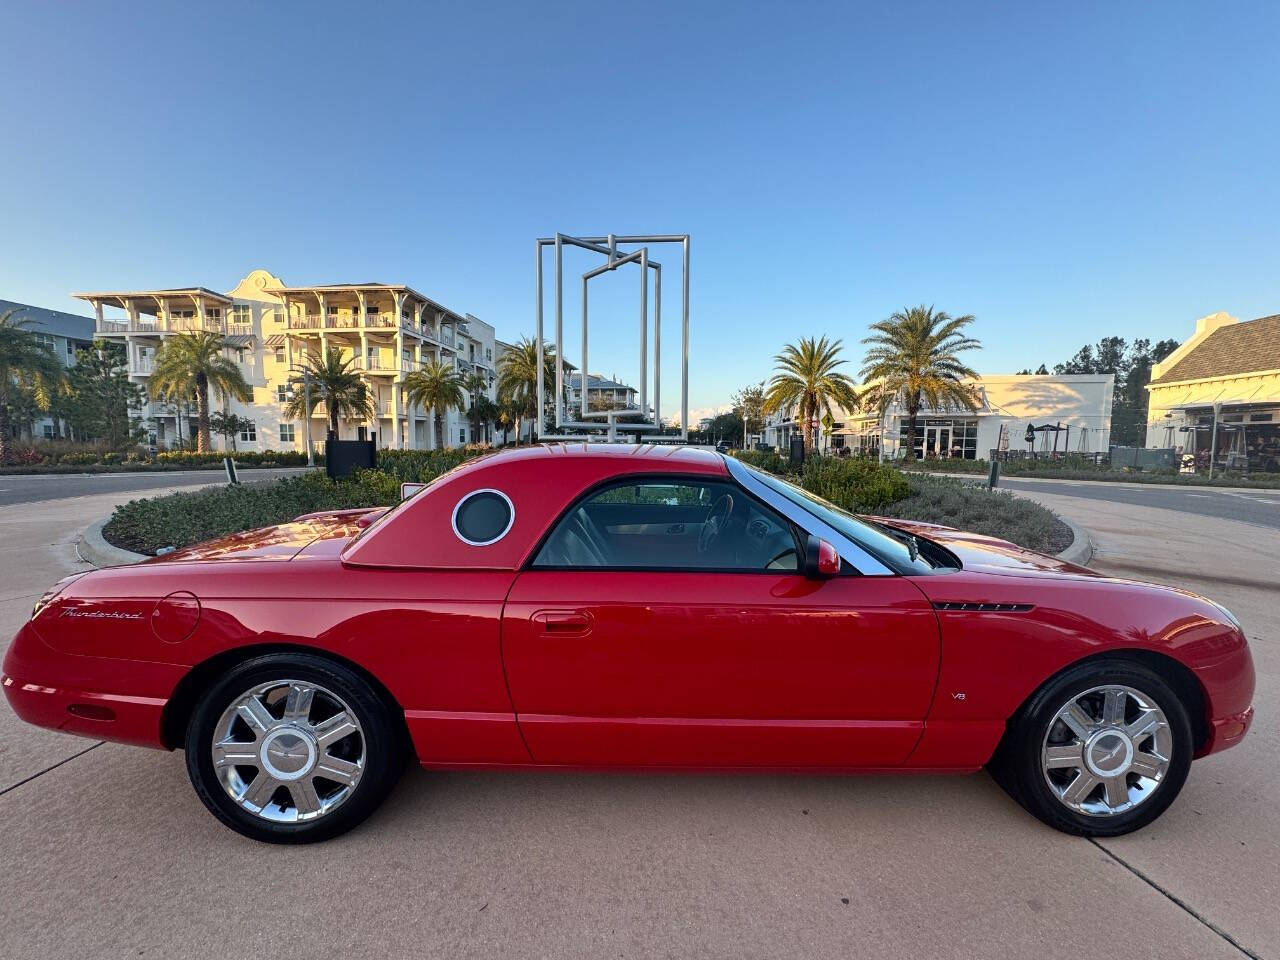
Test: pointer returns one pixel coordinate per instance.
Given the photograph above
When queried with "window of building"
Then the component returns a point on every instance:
(942, 438)
(679, 524)
(71, 348)
(286, 433)
(249, 434)
(282, 393)
(45, 340)
(279, 354)
(241, 314)
(48, 431)
(213, 313)
(462, 435)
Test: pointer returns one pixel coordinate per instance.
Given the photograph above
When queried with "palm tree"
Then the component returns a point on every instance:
(913, 355)
(437, 387)
(189, 364)
(475, 384)
(334, 383)
(518, 379)
(808, 383)
(26, 363)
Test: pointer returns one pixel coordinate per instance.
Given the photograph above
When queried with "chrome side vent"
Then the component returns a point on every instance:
(955, 606)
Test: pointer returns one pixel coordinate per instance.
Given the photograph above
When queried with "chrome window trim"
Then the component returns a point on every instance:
(453, 520)
(849, 550)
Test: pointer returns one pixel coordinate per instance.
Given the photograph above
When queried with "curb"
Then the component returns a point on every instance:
(95, 550)
(1081, 550)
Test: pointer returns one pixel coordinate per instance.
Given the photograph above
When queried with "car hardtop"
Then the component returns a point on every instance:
(539, 482)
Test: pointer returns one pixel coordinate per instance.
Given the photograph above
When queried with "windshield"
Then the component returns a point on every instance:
(897, 548)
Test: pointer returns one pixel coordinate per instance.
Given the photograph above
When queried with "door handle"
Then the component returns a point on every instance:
(563, 621)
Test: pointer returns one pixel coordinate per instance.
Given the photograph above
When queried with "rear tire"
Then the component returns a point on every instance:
(292, 748)
(1100, 750)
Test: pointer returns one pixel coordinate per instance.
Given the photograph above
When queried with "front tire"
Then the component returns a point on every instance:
(292, 748)
(1100, 750)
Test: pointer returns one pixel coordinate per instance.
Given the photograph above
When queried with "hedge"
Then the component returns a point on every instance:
(857, 484)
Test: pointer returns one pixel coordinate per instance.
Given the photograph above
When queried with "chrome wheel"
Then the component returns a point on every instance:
(288, 751)
(1106, 751)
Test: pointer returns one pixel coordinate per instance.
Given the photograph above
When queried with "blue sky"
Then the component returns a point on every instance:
(1062, 172)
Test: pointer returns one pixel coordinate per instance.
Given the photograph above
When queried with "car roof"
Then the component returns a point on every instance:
(630, 457)
(540, 481)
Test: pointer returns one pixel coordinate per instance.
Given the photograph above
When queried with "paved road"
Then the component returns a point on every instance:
(29, 488)
(1260, 507)
(108, 853)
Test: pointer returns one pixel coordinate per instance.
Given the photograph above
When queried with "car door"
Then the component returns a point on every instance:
(618, 653)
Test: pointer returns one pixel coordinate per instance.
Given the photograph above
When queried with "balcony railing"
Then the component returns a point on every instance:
(141, 368)
(346, 321)
(172, 325)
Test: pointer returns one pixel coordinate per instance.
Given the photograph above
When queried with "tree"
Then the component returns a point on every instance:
(913, 356)
(436, 387)
(101, 399)
(1040, 371)
(26, 364)
(479, 405)
(228, 425)
(189, 364)
(518, 379)
(748, 406)
(1130, 364)
(808, 383)
(333, 382)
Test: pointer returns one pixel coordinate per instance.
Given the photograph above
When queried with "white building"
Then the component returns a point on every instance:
(270, 328)
(1005, 406)
(63, 334)
(602, 393)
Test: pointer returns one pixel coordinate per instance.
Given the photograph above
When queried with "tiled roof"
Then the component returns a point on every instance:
(1229, 351)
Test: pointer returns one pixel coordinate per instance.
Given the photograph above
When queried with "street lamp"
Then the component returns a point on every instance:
(304, 375)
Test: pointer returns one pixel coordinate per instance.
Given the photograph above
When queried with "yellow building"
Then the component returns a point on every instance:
(270, 328)
(1220, 392)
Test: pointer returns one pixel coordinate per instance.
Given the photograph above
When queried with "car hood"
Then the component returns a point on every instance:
(318, 533)
(989, 554)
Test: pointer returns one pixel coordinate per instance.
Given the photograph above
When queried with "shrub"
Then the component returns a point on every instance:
(181, 519)
(994, 513)
(857, 484)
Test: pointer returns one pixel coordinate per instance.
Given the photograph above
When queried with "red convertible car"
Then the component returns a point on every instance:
(631, 607)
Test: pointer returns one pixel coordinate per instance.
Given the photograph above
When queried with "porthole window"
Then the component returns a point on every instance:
(483, 517)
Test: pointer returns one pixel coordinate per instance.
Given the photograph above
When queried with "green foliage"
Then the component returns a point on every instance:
(1081, 468)
(1131, 364)
(26, 364)
(807, 382)
(420, 466)
(437, 387)
(335, 383)
(180, 519)
(858, 484)
(189, 365)
(518, 379)
(913, 356)
(100, 396)
(967, 506)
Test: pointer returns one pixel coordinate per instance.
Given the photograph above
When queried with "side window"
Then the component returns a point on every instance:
(671, 524)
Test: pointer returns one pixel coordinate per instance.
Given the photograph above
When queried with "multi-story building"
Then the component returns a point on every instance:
(1004, 407)
(270, 329)
(602, 393)
(63, 334)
